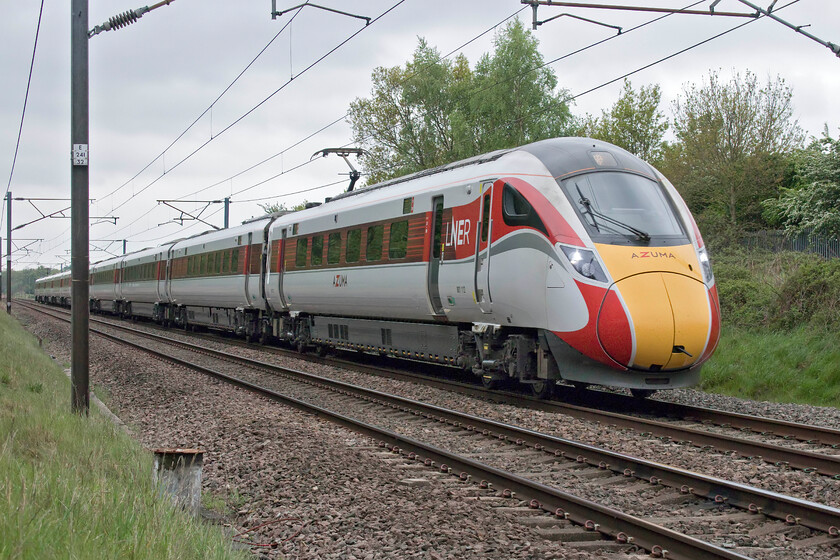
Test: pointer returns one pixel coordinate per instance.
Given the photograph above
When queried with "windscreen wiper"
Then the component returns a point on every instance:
(643, 235)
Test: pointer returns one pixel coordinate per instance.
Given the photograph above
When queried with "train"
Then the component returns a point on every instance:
(568, 260)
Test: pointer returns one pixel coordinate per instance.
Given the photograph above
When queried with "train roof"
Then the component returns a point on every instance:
(573, 155)
(561, 156)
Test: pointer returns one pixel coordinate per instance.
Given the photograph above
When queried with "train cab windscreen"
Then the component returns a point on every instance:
(622, 207)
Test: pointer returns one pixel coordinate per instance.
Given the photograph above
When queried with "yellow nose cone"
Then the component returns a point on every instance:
(670, 319)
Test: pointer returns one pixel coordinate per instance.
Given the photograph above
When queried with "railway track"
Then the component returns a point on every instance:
(800, 446)
(492, 453)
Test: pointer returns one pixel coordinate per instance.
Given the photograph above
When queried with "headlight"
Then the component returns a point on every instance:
(705, 266)
(585, 263)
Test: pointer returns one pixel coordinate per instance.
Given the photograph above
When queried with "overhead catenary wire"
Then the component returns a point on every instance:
(261, 103)
(339, 119)
(582, 93)
(535, 114)
(23, 112)
(208, 109)
(344, 116)
(235, 122)
(661, 60)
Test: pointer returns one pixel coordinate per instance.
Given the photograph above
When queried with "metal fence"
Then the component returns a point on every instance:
(805, 242)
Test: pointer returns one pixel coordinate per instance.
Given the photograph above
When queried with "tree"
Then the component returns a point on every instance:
(273, 207)
(735, 141)
(635, 122)
(814, 204)
(23, 281)
(406, 124)
(514, 101)
(436, 111)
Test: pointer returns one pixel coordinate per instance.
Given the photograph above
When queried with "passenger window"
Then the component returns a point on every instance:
(398, 240)
(234, 259)
(300, 256)
(317, 251)
(485, 217)
(334, 249)
(354, 245)
(517, 211)
(438, 229)
(373, 249)
(219, 261)
(225, 262)
(203, 267)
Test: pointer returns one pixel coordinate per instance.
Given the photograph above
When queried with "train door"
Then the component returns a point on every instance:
(160, 276)
(482, 250)
(281, 267)
(167, 284)
(248, 269)
(435, 254)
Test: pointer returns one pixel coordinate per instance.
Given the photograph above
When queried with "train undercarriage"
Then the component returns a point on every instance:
(495, 354)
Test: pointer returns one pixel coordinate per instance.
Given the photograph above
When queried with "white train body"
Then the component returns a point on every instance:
(565, 259)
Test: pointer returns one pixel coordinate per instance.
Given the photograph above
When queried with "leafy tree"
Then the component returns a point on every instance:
(815, 202)
(635, 122)
(23, 281)
(406, 124)
(436, 111)
(514, 100)
(272, 207)
(735, 141)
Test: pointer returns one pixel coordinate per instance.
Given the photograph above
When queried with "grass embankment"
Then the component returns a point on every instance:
(781, 328)
(799, 366)
(74, 487)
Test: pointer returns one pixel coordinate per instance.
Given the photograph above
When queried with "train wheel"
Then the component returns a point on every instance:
(642, 393)
(542, 389)
(301, 347)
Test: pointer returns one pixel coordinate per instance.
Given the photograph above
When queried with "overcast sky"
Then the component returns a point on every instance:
(151, 80)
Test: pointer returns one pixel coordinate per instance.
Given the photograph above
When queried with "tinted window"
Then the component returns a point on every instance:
(317, 250)
(398, 240)
(300, 256)
(334, 249)
(630, 199)
(354, 245)
(373, 250)
(438, 228)
(517, 211)
(485, 217)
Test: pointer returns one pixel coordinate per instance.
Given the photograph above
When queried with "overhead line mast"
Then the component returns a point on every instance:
(80, 188)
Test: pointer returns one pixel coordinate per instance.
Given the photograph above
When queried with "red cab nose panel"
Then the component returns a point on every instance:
(614, 330)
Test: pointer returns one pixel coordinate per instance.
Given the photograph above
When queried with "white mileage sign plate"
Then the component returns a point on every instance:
(80, 154)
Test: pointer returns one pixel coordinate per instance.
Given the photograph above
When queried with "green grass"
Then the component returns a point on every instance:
(75, 487)
(798, 366)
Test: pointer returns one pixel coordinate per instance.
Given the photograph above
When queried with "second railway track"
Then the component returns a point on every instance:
(801, 446)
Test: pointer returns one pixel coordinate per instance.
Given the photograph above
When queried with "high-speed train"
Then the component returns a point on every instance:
(566, 259)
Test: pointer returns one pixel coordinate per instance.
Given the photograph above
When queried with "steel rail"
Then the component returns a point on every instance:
(622, 527)
(808, 461)
(789, 430)
(755, 500)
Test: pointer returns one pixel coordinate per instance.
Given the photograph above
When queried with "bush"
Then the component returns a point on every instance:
(810, 296)
(782, 291)
(745, 299)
